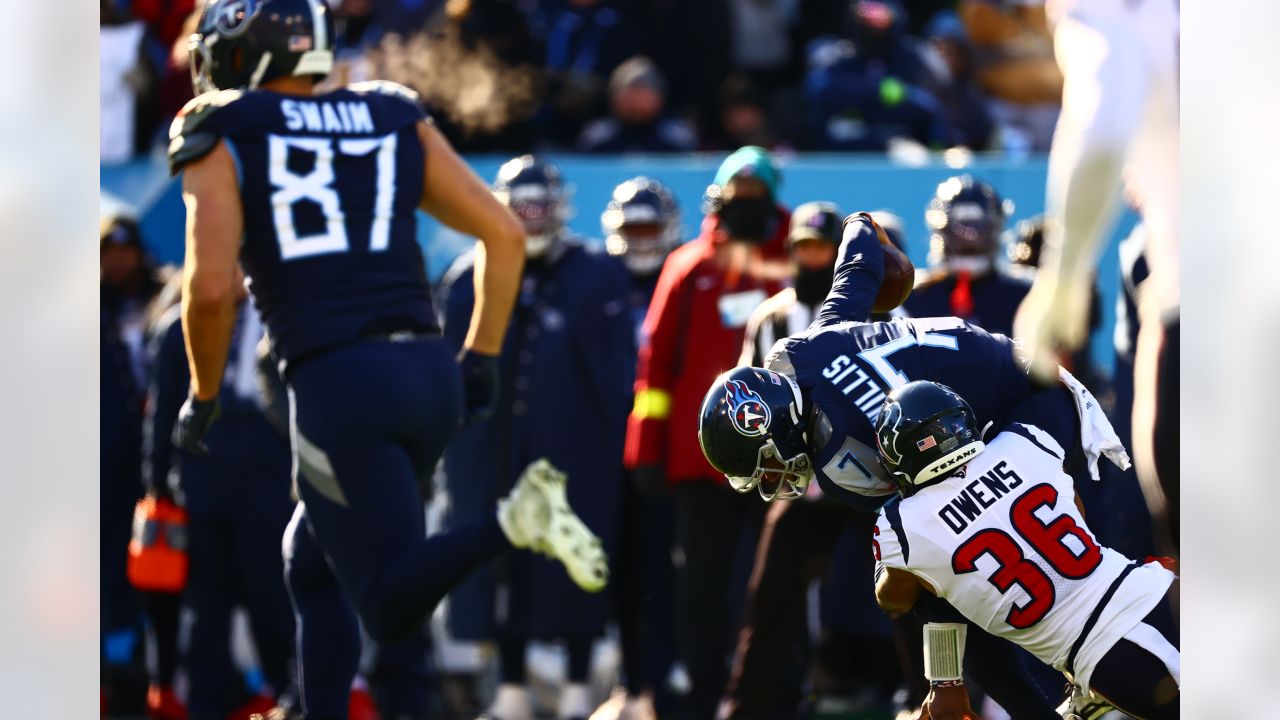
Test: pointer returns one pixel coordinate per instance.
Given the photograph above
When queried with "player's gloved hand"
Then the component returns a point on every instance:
(479, 384)
(193, 422)
(948, 702)
(648, 479)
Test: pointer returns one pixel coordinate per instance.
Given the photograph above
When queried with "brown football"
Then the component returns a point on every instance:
(899, 279)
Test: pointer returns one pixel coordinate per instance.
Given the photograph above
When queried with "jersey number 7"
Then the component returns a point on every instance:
(1015, 569)
(317, 186)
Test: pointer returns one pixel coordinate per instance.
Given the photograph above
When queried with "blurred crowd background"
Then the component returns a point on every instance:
(635, 297)
(654, 76)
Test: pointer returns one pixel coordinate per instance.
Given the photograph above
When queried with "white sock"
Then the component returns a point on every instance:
(512, 703)
(575, 701)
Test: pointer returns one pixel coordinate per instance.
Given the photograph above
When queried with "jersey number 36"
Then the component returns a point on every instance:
(1046, 538)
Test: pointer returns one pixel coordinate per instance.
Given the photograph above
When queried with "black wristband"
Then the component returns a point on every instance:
(945, 683)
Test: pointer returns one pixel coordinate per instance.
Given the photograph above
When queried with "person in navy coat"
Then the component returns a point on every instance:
(565, 391)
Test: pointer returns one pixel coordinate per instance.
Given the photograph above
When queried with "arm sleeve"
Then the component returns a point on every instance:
(168, 391)
(646, 427)
(859, 271)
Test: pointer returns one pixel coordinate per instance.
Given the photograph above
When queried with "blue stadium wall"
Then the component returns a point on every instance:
(852, 182)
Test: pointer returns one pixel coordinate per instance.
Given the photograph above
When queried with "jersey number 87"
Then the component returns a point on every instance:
(317, 186)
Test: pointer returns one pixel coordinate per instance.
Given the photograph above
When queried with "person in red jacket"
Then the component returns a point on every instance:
(693, 331)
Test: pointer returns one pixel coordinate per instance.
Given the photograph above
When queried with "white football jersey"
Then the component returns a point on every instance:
(1006, 545)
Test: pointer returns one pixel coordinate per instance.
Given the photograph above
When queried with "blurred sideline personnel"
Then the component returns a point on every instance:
(641, 225)
(316, 195)
(797, 540)
(238, 502)
(708, 289)
(564, 379)
(809, 413)
(1006, 506)
(1119, 117)
(965, 219)
(128, 283)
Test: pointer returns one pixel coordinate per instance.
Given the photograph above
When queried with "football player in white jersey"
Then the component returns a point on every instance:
(1119, 120)
(997, 531)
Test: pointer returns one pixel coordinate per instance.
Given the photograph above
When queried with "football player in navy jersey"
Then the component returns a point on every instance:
(315, 196)
(809, 411)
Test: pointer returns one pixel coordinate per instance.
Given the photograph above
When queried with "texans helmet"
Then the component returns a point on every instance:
(244, 43)
(965, 218)
(536, 193)
(641, 224)
(924, 432)
(751, 428)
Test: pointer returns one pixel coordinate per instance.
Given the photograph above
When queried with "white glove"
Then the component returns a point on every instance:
(1097, 437)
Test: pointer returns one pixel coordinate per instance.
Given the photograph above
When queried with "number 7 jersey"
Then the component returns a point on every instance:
(1005, 544)
(330, 186)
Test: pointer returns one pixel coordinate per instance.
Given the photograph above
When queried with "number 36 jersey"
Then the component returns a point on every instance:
(330, 185)
(1005, 544)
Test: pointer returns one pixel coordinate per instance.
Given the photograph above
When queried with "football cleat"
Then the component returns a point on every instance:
(536, 515)
(1081, 706)
(1052, 322)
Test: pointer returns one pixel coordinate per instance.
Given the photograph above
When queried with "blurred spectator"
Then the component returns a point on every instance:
(129, 280)
(1015, 67)
(641, 225)
(125, 83)
(761, 38)
(965, 219)
(743, 116)
(565, 365)
(637, 94)
(585, 40)
(238, 503)
(707, 290)
(952, 81)
(856, 105)
(356, 31)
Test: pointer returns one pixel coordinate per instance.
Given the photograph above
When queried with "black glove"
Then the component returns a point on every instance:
(649, 479)
(193, 422)
(479, 385)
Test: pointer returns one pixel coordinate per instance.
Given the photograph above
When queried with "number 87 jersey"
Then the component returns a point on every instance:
(329, 186)
(1004, 542)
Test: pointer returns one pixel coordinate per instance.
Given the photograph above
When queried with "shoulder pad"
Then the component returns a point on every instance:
(190, 135)
(386, 87)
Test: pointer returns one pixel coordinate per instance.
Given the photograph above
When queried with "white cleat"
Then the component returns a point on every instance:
(1052, 322)
(1079, 706)
(536, 515)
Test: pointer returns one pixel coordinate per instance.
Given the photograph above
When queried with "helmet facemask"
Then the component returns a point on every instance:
(776, 477)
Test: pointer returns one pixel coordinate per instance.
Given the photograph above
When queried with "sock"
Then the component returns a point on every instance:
(575, 701)
(512, 702)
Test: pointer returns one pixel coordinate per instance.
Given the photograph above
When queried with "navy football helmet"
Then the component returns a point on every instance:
(244, 43)
(965, 219)
(924, 432)
(751, 428)
(641, 224)
(536, 193)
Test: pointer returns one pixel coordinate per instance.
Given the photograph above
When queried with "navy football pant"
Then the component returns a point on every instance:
(1132, 677)
(367, 420)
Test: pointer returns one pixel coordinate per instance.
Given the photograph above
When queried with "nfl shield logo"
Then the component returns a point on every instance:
(926, 443)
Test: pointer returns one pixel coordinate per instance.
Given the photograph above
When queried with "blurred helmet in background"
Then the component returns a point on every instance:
(641, 224)
(536, 193)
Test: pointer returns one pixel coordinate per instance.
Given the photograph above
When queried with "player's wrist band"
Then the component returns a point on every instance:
(946, 683)
(944, 651)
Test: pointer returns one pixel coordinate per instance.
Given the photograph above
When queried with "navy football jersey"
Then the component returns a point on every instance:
(330, 185)
(845, 367)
